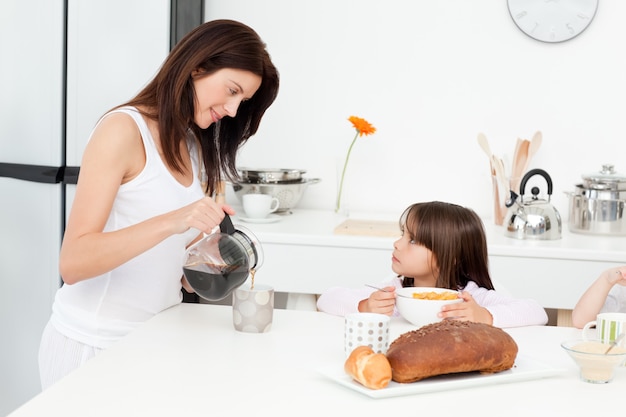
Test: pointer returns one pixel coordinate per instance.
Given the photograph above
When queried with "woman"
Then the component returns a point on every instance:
(140, 200)
(442, 245)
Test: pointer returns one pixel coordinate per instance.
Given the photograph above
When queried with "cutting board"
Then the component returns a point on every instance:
(359, 227)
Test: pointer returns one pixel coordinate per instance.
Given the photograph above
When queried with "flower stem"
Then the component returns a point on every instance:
(343, 173)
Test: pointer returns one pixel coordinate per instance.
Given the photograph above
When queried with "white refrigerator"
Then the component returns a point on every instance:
(64, 63)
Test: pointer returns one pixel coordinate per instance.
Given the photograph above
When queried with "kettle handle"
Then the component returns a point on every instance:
(532, 173)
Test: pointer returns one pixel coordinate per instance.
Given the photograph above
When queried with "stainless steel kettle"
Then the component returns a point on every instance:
(534, 218)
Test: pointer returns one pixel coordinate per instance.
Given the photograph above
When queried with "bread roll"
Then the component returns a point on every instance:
(370, 369)
(450, 346)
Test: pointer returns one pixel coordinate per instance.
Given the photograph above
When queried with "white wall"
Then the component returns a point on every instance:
(111, 56)
(430, 75)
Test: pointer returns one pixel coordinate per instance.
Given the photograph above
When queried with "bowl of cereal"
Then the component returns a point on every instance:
(420, 305)
(596, 366)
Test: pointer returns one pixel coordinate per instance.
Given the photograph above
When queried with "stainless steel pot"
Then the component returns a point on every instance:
(597, 205)
(288, 194)
(271, 175)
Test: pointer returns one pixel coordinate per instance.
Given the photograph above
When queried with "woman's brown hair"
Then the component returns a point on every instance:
(169, 98)
(456, 237)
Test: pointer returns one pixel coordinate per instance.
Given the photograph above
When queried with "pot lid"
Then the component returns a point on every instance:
(607, 178)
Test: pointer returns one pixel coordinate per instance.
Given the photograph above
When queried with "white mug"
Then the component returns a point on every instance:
(608, 327)
(366, 329)
(259, 206)
(253, 308)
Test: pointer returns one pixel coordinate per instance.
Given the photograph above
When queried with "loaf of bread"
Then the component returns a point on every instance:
(450, 346)
(370, 369)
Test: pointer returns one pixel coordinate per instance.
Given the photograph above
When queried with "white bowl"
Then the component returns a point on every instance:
(595, 366)
(421, 312)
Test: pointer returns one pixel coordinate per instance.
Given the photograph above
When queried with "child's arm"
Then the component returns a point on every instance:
(594, 298)
(381, 302)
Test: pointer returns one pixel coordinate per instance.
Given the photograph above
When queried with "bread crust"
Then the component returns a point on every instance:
(450, 346)
(368, 368)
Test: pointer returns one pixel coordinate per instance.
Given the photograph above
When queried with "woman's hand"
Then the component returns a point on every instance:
(381, 302)
(203, 215)
(468, 310)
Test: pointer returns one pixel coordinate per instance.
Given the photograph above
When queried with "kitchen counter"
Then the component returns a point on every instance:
(189, 361)
(303, 255)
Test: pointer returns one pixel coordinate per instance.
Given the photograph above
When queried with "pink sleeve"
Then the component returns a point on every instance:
(340, 301)
(508, 311)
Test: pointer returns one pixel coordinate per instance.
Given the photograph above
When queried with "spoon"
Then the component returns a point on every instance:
(615, 342)
(500, 175)
(484, 145)
(384, 290)
(534, 145)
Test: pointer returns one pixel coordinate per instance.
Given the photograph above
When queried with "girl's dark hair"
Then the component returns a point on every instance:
(169, 98)
(456, 237)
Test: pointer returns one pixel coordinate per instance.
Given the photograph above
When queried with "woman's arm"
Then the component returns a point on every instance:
(114, 156)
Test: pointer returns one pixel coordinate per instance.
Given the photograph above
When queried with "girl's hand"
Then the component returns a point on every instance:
(381, 302)
(617, 276)
(468, 310)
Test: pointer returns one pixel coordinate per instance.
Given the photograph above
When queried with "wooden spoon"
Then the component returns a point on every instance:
(520, 165)
(500, 177)
(484, 145)
(534, 145)
(514, 166)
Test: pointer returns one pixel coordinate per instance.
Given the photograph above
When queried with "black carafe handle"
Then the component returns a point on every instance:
(226, 226)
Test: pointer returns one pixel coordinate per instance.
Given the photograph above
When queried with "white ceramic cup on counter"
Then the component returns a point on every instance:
(608, 327)
(253, 308)
(366, 329)
(259, 206)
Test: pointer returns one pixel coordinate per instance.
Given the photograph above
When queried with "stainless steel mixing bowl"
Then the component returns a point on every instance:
(288, 194)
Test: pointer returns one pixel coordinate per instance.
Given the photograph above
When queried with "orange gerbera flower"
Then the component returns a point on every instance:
(363, 127)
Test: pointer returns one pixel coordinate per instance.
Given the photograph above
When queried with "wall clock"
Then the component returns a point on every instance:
(552, 20)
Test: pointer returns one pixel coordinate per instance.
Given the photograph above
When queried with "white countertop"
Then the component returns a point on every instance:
(315, 227)
(189, 361)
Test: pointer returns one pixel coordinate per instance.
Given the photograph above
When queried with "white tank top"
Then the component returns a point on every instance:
(101, 310)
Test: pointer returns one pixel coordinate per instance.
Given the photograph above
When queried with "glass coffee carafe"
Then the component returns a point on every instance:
(221, 262)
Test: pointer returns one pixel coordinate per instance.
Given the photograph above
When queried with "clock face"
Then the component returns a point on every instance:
(552, 20)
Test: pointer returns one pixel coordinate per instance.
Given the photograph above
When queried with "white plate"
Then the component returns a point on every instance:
(524, 369)
(272, 218)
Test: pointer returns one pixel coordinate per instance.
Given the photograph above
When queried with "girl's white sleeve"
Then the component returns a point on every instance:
(508, 311)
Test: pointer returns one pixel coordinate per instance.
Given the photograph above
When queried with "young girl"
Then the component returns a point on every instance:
(606, 295)
(442, 245)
